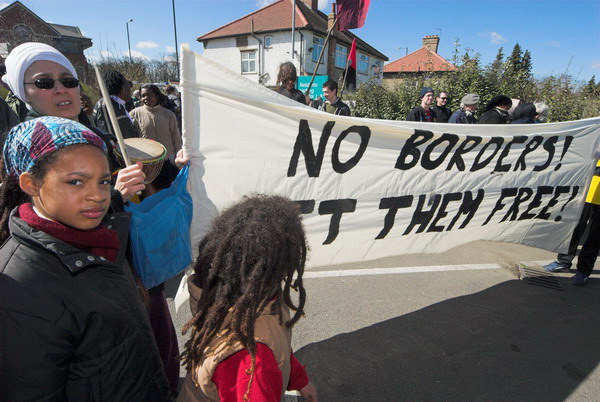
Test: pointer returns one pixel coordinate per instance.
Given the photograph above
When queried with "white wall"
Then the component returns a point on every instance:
(225, 52)
(280, 52)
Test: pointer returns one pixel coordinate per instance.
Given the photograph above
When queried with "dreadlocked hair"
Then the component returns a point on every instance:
(287, 72)
(11, 195)
(247, 259)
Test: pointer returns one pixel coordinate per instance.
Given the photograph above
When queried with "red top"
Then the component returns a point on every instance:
(428, 115)
(232, 381)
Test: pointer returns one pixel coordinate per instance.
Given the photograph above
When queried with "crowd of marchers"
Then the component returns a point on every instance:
(499, 110)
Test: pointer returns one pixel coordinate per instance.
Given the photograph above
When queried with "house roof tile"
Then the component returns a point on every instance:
(278, 17)
(419, 61)
(68, 30)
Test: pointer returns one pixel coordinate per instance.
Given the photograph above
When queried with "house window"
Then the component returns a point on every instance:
(363, 63)
(248, 62)
(341, 55)
(22, 31)
(317, 48)
(268, 41)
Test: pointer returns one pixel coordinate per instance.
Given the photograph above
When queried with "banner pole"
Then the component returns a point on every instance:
(112, 116)
(345, 77)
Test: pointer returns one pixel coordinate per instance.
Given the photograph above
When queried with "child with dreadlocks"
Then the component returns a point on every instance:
(240, 344)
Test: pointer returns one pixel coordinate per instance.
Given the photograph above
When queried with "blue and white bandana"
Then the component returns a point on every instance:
(32, 139)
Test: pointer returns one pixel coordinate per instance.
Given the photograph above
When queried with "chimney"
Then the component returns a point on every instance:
(431, 42)
(331, 17)
(313, 4)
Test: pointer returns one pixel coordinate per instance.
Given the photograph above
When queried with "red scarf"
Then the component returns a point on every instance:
(99, 241)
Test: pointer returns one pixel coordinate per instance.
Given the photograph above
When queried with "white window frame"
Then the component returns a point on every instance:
(318, 44)
(362, 62)
(341, 56)
(248, 60)
(270, 39)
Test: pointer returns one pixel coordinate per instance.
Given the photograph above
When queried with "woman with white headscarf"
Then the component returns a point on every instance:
(32, 69)
(47, 82)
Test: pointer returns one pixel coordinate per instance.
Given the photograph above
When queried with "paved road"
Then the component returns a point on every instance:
(460, 325)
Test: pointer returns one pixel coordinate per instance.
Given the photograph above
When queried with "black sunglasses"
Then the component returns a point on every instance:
(444, 98)
(48, 83)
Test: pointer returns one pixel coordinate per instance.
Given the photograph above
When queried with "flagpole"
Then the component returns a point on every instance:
(293, 28)
(345, 77)
(321, 54)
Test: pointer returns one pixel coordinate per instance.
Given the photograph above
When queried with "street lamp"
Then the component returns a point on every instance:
(128, 42)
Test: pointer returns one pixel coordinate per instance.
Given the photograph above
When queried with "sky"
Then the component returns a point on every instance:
(562, 35)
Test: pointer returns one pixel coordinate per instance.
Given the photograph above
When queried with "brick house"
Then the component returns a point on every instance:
(18, 24)
(426, 60)
(256, 44)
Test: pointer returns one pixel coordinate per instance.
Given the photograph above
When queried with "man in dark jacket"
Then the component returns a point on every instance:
(424, 112)
(119, 89)
(333, 104)
(466, 113)
(496, 111)
(442, 112)
(524, 113)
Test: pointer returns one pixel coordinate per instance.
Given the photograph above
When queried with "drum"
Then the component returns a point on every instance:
(151, 153)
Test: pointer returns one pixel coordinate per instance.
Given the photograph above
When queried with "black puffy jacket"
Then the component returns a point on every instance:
(494, 116)
(102, 120)
(72, 324)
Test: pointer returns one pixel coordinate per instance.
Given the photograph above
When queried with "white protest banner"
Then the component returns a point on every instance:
(376, 188)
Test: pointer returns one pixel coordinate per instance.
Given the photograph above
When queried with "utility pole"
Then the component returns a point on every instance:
(128, 42)
(293, 28)
(176, 47)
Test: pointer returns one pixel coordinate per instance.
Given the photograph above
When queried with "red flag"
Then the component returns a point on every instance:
(351, 13)
(352, 55)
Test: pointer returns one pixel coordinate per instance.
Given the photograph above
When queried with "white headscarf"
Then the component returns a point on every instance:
(23, 56)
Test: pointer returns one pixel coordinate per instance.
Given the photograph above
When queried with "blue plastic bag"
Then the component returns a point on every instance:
(160, 232)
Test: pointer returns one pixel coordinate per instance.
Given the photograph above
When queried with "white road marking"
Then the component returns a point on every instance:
(408, 270)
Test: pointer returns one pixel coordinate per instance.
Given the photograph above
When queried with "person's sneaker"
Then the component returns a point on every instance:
(555, 266)
(579, 279)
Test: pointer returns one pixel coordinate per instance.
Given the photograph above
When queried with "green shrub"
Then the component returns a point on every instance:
(566, 98)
